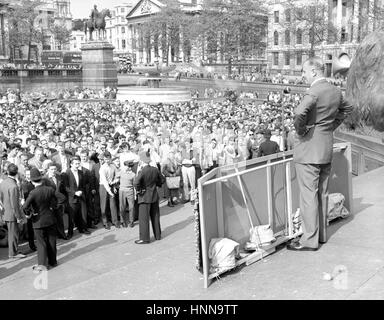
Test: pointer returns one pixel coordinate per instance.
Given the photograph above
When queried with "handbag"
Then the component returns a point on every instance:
(173, 182)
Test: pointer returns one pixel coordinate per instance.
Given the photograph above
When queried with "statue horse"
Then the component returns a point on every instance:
(100, 25)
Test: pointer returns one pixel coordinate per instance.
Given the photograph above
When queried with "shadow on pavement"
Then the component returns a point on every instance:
(106, 240)
(64, 247)
(176, 227)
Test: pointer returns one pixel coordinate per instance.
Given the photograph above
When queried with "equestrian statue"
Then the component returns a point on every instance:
(97, 23)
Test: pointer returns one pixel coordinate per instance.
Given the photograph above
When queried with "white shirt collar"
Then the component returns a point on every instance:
(317, 80)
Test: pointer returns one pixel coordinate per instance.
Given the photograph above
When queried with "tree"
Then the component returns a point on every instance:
(25, 25)
(370, 18)
(168, 28)
(61, 34)
(309, 20)
(235, 28)
(78, 24)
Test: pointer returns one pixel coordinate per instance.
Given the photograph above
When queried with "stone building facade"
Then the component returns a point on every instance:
(288, 48)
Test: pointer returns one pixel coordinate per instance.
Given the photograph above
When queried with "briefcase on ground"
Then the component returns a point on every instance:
(173, 182)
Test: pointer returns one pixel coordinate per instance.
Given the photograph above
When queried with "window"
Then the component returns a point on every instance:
(287, 37)
(287, 59)
(344, 35)
(82, 38)
(122, 10)
(276, 38)
(110, 33)
(123, 44)
(75, 45)
(275, 58)
(288, 15)
(276, 15)
(299, 37)
(299, 59)
(122, 29)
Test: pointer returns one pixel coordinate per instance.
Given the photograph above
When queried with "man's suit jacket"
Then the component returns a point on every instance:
(71, 186)
(148, 179)
(43, 201)
(321, 111)
(57, 160)
(96, 173)
(59, 188)
(89, 180)
(10, 197)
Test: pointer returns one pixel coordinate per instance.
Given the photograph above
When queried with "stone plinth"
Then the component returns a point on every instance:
(99, 70)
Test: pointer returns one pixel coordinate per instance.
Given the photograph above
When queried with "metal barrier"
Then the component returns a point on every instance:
(258, 192)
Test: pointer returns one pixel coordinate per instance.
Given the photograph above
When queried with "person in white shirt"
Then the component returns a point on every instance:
(108, 173)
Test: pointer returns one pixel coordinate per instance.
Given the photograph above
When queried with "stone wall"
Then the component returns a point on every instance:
(40, 83)
(367, 152)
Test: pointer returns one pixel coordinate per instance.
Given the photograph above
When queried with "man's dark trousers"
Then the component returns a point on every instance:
(60, 221)
(46, 245)
(104, 199)
(75, 212)
(146, 211)
(13, 238)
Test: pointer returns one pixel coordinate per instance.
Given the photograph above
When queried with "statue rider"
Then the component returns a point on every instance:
(94, 15)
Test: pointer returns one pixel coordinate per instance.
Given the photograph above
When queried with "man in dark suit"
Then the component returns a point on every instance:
(146, 183)
(75, 189)
(26, 187)
(321, 111)
(95, 171)
(13, 215)
(43, 201)
(54, 180)
(87, 168)
(268, 147)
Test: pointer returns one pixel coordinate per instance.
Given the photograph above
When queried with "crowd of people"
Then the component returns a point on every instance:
(10, 96)
(103, 142)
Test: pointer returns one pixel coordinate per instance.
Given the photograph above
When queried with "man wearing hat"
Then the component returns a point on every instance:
(43, 202)
(127, 193)
(268, 147)
(146, 183)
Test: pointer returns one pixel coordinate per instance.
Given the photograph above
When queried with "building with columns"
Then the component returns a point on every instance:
(147, 51)
(117, 28)
(289, 45)
(60, 11)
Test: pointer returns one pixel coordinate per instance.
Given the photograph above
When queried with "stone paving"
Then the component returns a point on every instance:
(109, 265)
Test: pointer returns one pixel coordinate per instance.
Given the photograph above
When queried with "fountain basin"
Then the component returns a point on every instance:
(154, 95)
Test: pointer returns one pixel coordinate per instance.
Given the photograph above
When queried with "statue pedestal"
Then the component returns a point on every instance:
(99, 70)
